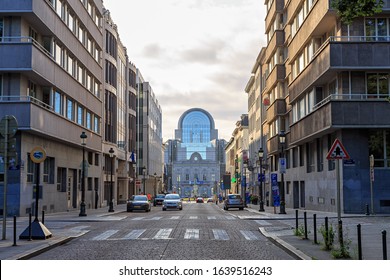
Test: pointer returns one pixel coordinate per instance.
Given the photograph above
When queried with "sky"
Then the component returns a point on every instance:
(194, 54)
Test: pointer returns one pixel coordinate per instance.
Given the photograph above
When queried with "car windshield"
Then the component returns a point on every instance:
(160, 196)
(234, 196)
(172, 196)
(140, 198)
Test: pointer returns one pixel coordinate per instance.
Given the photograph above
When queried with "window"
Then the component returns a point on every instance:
(377, 85)
(377, 29)
(70, 109)
(58, 103)
(96, 124)
(80, 115)
(48, 170)
(61, 180)
(89, 120)
(1, 85)
(30, 169)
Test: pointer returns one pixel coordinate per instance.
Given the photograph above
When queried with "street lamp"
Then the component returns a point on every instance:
(144, 180)
(111, 204)
(282, 141)
(155, 184)
(261, 155)
(243, 183)
(83, 137)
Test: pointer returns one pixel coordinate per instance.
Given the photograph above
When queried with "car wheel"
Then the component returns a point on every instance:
(164, 209)
(128, 210)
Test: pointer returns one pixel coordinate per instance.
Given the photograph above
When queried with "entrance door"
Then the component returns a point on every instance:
(302, 194)
(69, 189)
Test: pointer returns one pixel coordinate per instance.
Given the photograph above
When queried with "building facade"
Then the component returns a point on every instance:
(51, 81)
(325, 80)
(195, 160)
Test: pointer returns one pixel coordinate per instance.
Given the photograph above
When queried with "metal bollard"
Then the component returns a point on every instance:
(359, 236)
(384, 246)
(327, 233)
(43, 216)
(296, 219)
(367, 210)
(305, 222)
(341, 240)
(315, 228)
(14, 231)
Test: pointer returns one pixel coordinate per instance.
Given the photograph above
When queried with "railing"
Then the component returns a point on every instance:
(365, 39)
(24, 98)
(25, 40)
(353, 97)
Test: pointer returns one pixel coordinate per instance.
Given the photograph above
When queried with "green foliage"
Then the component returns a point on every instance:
(328, 236)
(348, 10)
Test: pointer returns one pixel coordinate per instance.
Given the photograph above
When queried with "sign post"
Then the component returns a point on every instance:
(338, 152)
(372, 182)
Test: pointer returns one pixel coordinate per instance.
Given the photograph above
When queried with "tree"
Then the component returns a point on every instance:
(348, 10)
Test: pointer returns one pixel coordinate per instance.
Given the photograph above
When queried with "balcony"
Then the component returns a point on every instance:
(341, 54)
(277, 7)
(275, 109)
(277, 40)
(338, 112)
(277, 74)
(37, 117)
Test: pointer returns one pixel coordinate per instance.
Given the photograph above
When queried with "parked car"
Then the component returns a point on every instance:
(210, 200)
(139, 202)
(233, 201)
(199, 200)
(172, 201)
(158, 200)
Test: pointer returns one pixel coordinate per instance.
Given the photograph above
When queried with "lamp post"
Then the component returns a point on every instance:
(155, 184)
(243, 183)
(111, 204)
(83, 212)
(261, 155)
(282, 141)
(144, 179)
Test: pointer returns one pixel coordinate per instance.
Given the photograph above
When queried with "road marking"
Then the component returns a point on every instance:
(193, 217)
(134, 234)
(220, 234)
(263, 223)
(175, 217)
(249, 235)
(191, 234)
(230, 218)
(105, 235)
(163, 233)
(138, 218)
(155, 218)
(211, 217)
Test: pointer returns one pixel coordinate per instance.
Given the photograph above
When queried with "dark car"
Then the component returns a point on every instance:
(139, 202)
(199, 200)
(233, 201)
(158, 200)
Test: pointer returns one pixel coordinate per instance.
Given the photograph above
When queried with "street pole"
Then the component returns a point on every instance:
(111, 204)
(372, 182)
(144, 179)
(261, 155)
(83, 137)
(282, 139)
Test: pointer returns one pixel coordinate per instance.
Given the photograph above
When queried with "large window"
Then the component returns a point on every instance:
(379, 147)
(1, 28)
(58, 102)
(377, 85)
(70, 109)
(48, 170)
(377, 29)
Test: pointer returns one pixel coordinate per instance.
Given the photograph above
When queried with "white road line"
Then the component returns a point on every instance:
(263, 223)
(105, 235)
(193, 217)
(155, 218)
(163, 233)
(191, 234)
(134, 234)
(137, 218)
(175, 217)
(220, 234)
(230, 218)
(249, 235)
(211, 217)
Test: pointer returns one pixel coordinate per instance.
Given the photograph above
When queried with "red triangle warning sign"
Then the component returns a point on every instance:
(337, 151)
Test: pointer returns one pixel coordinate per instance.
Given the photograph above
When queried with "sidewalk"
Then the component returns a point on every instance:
(282, 232)
(277, 227)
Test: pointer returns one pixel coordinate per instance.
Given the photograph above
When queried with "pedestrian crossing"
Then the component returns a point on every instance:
(171, 233)
(157, 218)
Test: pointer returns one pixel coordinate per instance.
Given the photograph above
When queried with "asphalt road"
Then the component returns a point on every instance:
(198, 232)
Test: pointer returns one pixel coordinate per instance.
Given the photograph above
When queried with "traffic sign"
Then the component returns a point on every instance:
(38, 154)
(8, 126)
(337, 151)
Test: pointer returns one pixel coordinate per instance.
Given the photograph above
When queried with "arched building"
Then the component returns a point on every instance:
(195, 159)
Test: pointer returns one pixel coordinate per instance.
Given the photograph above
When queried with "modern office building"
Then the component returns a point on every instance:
(195, 159)
(323, 80)
(51, 82)
(149, 139)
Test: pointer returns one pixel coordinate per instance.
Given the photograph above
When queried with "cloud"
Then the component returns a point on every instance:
(153, 50)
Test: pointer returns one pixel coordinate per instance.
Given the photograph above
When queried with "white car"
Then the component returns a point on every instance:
(172, 201)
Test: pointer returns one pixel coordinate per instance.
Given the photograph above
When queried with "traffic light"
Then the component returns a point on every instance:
(226, 181)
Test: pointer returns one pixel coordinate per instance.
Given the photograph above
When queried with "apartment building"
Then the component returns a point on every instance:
(51, 81)
(326, 80)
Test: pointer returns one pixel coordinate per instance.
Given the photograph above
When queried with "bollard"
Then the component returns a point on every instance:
(14, 231)
(43, 216)
(296, 219)
(305, 221)
(326, 233)
(359, 236)
(367, 210)
(315, 228)
(341, 241)
(384, 246)
(29, 227)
